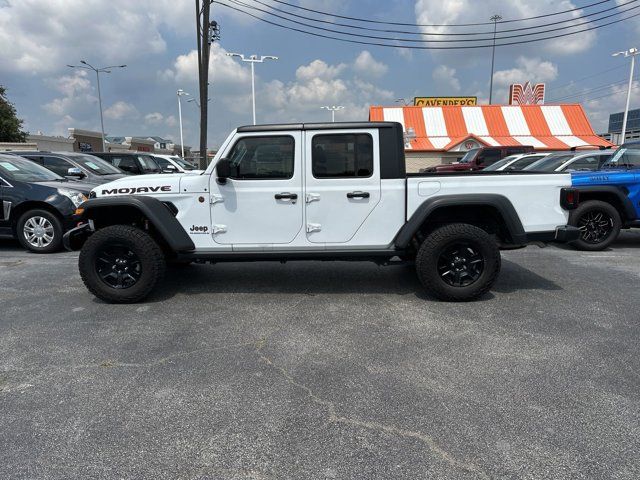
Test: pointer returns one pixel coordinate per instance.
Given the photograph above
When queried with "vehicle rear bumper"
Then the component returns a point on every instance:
(562, 234)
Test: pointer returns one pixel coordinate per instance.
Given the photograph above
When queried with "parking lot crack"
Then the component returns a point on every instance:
(334, 417)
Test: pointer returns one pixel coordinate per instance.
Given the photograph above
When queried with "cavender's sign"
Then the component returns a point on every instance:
(444, 101)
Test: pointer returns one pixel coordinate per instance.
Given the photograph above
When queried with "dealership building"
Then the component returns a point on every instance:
(443, 134)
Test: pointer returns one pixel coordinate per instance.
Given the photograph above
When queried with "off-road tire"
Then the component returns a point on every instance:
(589, 207)
(56, 226)
(149, 253)
(437, 243)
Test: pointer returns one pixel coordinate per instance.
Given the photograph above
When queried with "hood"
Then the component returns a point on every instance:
(154, 184)
(79, 186)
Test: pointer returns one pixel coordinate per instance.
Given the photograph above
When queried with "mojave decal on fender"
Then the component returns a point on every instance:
(134, 190)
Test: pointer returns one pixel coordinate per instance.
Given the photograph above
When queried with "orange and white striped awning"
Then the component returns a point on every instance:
(545, 127)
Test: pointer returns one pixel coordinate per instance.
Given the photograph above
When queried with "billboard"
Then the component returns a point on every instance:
(527, 94)
(444, 101)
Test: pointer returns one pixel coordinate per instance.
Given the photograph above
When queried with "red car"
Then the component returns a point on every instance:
(479, 158)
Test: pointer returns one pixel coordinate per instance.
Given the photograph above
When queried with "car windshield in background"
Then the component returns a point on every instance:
(624, 157)
(548, 164)
(23, 170)
(183, 163)
(469, 155)
(148, 164)
(96, 165)
(500, 163)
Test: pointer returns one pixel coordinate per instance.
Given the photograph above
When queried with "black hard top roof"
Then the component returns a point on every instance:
(317, 126)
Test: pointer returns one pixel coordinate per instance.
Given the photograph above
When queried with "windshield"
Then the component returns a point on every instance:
(148, 164)
(625, 157)
(501, 163)
(470, 155)
(23, 170)
(183, 163)
(96, 165)
(548, 164)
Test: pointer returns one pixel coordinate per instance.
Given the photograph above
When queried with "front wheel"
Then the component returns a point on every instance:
(458, 262)
(599, 224)
(121, 264)
(39, 231)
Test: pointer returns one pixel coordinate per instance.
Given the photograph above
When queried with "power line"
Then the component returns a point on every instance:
(425, 34)
(366, 20)
(609, 70)
(415, 47)
(411, 40)
(590, 91)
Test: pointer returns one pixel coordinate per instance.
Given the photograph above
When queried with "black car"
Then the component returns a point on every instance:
(38, 206)
(131, 162)
(81, 166)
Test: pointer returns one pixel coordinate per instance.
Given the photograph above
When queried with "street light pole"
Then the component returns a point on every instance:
(632, 52)
(495, 19)
(333, 109)
(98, 71)
(253, 59)
(181, 93)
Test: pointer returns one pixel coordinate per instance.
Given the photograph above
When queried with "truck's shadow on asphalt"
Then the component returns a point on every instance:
(320, 278)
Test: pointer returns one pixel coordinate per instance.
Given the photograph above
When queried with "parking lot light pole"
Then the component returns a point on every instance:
(98, 71)
(333, 109)
(632, 52)
(253, 59)
(181, 93)
(495, 19)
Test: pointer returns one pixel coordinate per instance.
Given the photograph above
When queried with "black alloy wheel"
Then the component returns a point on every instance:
(596, 226)
(118, 266)
(460, 264)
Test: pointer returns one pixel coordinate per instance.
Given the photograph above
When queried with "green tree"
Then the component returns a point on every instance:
(10, 124)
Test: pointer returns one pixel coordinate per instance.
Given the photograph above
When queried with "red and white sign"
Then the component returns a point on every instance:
(526, 94)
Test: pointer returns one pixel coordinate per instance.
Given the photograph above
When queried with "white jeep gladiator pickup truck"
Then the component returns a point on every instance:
(336, 191)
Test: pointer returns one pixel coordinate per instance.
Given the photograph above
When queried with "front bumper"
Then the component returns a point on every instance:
(75, 238)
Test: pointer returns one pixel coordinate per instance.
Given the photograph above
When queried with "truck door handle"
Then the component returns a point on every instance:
(286, 195)
(358, 195)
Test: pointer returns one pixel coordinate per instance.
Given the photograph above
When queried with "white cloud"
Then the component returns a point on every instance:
(171, 121)
(120, 110)
(319, 70)
(527, 70)
(365, 64)
(452, 12)
(77, 92)
(446, 77)
(42, 36)
(154, 118)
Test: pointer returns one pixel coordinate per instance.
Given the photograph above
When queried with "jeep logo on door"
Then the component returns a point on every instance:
(198, 229)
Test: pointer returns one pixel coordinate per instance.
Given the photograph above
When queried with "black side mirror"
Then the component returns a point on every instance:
(223, 170)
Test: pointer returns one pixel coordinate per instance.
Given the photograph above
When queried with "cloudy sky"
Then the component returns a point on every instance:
(156, 39)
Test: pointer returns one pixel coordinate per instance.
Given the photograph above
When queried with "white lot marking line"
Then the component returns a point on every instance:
(144, 308)
(78, 309)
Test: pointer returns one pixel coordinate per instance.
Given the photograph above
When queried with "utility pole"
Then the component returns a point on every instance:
(495, 19)
(253, 59)
(632, 52)
(207, 33)
(333, 111)
(98, 71)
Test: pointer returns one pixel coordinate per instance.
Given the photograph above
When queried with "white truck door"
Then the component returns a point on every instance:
(342, 182)
(261, 203)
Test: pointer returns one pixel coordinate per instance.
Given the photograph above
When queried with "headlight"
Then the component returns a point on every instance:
(75, 196)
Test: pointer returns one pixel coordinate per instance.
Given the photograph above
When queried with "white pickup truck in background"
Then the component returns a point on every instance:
(336, 191)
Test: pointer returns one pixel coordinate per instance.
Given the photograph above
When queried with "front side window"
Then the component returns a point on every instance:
(342, 155)
(584, 163)
(127, 164)
(58, 165)
(148, 164)
(255, 158)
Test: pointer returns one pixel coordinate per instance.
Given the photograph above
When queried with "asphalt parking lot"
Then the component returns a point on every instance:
(322, 371)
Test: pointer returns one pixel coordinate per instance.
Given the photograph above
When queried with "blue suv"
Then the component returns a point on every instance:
(609, 199)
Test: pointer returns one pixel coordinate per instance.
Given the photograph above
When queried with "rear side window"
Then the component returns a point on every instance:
(148, 164)
(489, 157)
(124, 162)
(256, 158)
(342, 156)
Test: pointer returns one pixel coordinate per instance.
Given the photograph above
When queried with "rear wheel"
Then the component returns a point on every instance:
(121, 264)
(599, 223)
(39, 231)
(458, 262)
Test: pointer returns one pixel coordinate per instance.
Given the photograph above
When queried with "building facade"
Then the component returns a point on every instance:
(633, 127)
